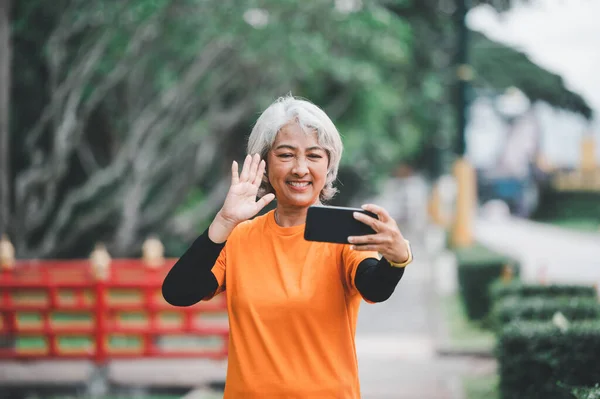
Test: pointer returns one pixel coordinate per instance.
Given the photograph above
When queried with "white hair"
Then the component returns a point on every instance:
(311, 119)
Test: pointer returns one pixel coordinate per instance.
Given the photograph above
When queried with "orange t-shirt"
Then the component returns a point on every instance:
(292, 308)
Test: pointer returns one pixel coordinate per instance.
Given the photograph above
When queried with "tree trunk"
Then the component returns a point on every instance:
(5, 61)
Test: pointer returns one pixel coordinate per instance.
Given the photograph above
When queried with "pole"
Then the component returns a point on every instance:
(466, 198)
(5, 62)
(464, 74)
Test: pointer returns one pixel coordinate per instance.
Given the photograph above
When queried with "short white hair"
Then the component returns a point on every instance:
(310, 118)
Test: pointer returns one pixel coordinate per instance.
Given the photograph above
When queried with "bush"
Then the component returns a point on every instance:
(514, 308)
(587, 393)
(478, 268)
(517, 288)
(567, 205)
(538, 360)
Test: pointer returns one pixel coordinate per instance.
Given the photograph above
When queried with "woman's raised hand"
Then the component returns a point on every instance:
(240, 203)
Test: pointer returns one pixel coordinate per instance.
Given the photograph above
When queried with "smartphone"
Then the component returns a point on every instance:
(334, 224)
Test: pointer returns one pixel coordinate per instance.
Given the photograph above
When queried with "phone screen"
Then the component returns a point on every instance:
(334, 224)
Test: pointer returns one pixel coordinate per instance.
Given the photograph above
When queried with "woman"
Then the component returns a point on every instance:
(292, 304)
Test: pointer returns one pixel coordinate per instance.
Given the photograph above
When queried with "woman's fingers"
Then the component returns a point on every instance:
(235, 178)
(254, 167)
(259, 173)
(246, 169)
(264, 201)
(381, 213)
(368, 220)
(369, 239)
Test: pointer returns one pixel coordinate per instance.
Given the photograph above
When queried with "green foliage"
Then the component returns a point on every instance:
(165, 75)
(519, 289)
(556, 204)
(478, 269)
(587, 393)
(498, 66)
(108, 94)
(478, 254)
(481, 386)
(515, 308)
(577, 224)
(538, 360)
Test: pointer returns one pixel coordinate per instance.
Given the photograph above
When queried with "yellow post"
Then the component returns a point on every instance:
(507, 274)
(588, 153)
(466, 197)
(435, 207)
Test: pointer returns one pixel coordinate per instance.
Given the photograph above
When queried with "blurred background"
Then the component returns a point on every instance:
(473, 122)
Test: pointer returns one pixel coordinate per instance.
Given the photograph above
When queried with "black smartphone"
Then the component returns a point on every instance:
(335, 224)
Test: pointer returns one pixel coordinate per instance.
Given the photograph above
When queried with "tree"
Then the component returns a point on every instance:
(139, 101)
(5, 59)
(127, 114)
(498, 67)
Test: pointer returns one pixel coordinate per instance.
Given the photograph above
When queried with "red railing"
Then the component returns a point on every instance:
(44, 290)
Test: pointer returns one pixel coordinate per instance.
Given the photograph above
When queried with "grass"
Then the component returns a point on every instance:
(481, 387)
(464, 335)
(586, 225)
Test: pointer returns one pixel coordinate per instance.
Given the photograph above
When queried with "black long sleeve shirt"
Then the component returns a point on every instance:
(191, 279)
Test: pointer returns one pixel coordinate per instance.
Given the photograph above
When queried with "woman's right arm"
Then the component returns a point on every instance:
(191, 279)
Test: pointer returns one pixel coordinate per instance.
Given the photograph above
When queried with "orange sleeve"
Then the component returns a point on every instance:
(350, 261)
(218, 270)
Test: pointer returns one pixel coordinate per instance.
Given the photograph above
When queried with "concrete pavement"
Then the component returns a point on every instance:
(396, 342)
(545, 252)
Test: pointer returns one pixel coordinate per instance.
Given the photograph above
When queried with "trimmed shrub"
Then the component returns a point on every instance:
(514, 308)
(587, 393)
(538, 360)
(499, 289)
(567, 205)
(478, 268)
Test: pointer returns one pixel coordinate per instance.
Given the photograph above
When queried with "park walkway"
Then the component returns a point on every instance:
(545, 252)
(397, 339)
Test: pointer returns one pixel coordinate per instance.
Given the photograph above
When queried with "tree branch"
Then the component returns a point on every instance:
(149, 115)
(184, 224)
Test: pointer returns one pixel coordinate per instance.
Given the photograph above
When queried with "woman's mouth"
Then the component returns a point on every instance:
(298, 186)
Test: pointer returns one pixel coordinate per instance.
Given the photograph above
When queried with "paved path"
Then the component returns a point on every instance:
(396, 343)
(545, 252)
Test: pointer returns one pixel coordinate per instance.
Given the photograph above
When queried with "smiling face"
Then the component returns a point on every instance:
(297, 167)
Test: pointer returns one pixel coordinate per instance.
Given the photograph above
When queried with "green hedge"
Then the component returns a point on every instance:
(567, 205)
(538, 360)
(499, 290)
(478, 268)
(587, 393)
(513, 308)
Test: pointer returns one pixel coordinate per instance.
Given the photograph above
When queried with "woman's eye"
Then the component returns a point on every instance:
(285, 155)
(315, 156)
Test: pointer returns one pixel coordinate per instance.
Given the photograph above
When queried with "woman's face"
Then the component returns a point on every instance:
(297, 167)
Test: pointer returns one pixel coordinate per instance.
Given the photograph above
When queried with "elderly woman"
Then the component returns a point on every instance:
(292, 304)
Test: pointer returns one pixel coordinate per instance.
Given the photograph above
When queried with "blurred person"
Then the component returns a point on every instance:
(292, 304)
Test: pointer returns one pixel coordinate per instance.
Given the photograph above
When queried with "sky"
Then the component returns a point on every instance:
(563, 36)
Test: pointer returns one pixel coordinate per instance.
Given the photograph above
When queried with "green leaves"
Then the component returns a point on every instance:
(499, 67)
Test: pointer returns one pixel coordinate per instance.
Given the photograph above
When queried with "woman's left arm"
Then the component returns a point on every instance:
(377, 279)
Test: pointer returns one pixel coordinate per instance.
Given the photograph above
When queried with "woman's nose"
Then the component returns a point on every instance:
(301, 167)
